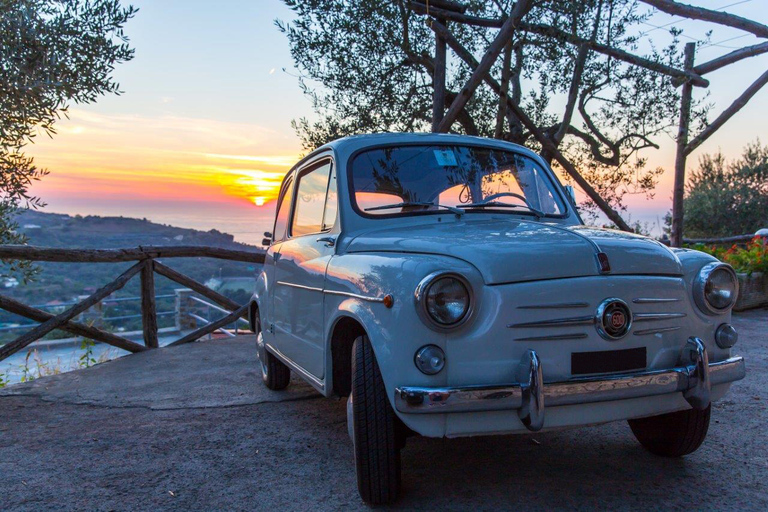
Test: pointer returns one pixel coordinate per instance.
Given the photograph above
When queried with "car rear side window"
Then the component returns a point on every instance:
(283, 212)
(312, 190)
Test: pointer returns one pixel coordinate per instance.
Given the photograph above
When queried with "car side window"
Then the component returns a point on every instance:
(331, 203)
(312, 190)
(283, 212)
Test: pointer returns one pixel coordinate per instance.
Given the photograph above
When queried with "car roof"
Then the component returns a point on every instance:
(346, 146)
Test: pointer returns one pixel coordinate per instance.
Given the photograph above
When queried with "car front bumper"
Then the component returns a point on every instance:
(693, 378)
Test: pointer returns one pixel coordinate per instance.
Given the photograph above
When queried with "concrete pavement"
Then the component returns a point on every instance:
(192, 428)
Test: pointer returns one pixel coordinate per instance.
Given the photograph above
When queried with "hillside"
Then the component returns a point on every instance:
(64, 282)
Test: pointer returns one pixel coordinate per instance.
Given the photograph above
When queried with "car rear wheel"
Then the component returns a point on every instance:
(375, 429)
(674, 434)
(275, 374)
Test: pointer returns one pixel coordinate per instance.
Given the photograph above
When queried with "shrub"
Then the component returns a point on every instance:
(752, 258)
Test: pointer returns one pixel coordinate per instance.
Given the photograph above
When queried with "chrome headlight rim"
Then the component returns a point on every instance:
(700, 283)
(422, 290)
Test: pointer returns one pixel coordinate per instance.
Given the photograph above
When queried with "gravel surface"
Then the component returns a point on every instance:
(200, 432)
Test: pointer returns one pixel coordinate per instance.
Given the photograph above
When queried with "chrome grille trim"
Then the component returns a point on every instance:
(647, 317)
(653, 300)
(556, 337)
(563, 305)
(576, 320)
(655, 331)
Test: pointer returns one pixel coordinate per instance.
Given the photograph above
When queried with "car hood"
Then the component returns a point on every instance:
(508, 251)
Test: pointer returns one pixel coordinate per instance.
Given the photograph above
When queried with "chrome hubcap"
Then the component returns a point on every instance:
(261, 353)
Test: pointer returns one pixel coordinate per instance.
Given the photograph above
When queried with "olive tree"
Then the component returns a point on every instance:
(52, 53)
(727, 198)
(368, 67)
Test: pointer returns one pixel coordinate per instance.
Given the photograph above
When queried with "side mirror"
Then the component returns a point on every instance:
(267, 240)
(571, 194)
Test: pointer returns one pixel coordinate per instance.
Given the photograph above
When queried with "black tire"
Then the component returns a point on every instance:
(275, 374)
(375, 430)
(674, 434)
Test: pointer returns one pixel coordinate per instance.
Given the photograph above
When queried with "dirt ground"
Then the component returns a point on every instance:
(192, 428)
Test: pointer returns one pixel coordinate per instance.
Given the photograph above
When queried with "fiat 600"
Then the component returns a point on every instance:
(448, 287)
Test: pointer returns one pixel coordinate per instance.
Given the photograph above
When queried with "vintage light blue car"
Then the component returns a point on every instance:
(447, 285)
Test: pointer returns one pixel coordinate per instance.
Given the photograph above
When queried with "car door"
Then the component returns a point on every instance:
(279, 235)
(301, 265)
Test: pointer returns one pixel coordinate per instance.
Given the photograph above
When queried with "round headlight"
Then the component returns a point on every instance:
(444, 299)
(716, 288)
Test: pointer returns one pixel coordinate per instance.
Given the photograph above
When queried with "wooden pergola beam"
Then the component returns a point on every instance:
(447, 5)
(700, 13)
(561, 35)
(467, 57)
(505, 34)
(730, 58)
(728, 113)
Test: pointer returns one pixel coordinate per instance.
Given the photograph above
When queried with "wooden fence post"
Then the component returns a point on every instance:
(148, 305)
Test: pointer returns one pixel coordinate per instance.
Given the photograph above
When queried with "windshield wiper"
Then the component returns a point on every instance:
(497, 204)
(457, 211)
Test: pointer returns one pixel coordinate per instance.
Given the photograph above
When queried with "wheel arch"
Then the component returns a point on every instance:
(345, 330)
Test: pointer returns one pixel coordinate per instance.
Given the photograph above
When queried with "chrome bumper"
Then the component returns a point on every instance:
(694, 378)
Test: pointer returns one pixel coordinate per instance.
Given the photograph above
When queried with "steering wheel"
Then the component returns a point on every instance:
(508, 194)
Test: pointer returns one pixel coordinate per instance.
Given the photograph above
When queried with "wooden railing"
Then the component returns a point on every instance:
(146, 266)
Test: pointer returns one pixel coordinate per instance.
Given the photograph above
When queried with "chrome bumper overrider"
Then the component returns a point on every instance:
(694, 378)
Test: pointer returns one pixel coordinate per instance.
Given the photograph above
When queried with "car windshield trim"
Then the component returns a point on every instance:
(545, 180)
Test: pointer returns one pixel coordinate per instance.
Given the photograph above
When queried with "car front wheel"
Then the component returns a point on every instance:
(375, 432)
(674, 434)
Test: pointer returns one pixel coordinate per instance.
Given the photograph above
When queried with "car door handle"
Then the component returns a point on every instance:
(329, 241)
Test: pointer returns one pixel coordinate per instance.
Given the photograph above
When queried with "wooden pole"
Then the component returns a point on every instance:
(62, 319)
(678, 191)
(567, 37)
(86, 331)
(200, 288)
(148, 304)
(730, 58)
(505, 34)
(729, 112)
(438, 78)
(32, 253)
(207, 329)
(700, 13)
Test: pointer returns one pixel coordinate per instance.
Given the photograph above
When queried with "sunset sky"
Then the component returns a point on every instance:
(201, 136)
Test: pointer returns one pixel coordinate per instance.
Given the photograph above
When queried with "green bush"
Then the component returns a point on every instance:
(752, 258)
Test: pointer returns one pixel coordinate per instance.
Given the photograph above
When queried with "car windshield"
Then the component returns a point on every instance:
(405, 180)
